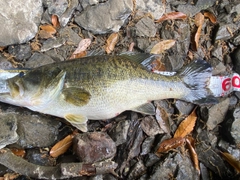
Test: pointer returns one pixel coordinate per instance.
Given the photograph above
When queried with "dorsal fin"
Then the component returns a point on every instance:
(140, 58)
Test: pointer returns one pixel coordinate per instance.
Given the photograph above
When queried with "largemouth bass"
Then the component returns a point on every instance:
(101, 87)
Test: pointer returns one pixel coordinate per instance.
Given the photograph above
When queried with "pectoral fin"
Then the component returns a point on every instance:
(77, 120)
(76, 96)
(145, 109)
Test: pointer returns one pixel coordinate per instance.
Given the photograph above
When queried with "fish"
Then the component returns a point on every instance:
(103, 86)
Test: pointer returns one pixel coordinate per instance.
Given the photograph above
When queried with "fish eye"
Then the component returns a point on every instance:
(21, 74)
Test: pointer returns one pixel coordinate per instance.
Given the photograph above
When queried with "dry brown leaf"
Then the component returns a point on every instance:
(62, 146)
(35, 46)
(111, 42)
(186, 126)
(10, 176)
(194, 156)
(81, 49)
(162, 119)
(157, 65)
(2, 48)
(199, 19)
(131, 46)
(162, 46)
(172, 16)
(44, 34)
(18, 152)
(232, 161)
(48, 28)
(196, 38)
(55, 21)
(79, 55)
(170, 144)
(210, 16)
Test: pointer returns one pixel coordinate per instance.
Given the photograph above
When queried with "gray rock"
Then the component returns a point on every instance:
(71, 37)
(143, 43)
(119, 132)
(236, 40)
(4, 63)
(233, 102)
(65, 17)
(223, 32)
(151, 159)
(105, 17)
(155, 7)
(39, 157)
(86, 3)
(191, 10)
(176, 62)
(20, 52)
(184, 108)
(137, 170)
(8, 134)
(53, 53)
(145, 27)
(57, 7)
(147, 145)
(211, 159)
(150, 126)
(93, 147)
(235, 55)
(36, 130)
(216, 113)
(217, 51)
(20, 20)
(235, 129)
(180, 166)
(52, 43)
(218, 66)
(38, 59)
(46, 18)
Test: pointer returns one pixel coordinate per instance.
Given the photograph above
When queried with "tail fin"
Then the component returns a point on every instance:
(196, 76)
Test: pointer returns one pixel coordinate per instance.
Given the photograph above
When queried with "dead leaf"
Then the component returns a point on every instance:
(232, 161)
(62, 146)
(44, 34)
(162, 119)
(55, 21)
(10, 176)
(196, 38)
(170, 144)
(199, 19)
(186, 126)
(35, 46)
(48, 28)
(162, 46)
(193, 154)
(157, 65)
(131, 46)
(172, 16)
(210, 16)
(111, 42)
(81, 49)
(18, 152)
(2, 48)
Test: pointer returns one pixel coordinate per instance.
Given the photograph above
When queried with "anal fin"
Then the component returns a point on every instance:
(145, 109)
(77, 120)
